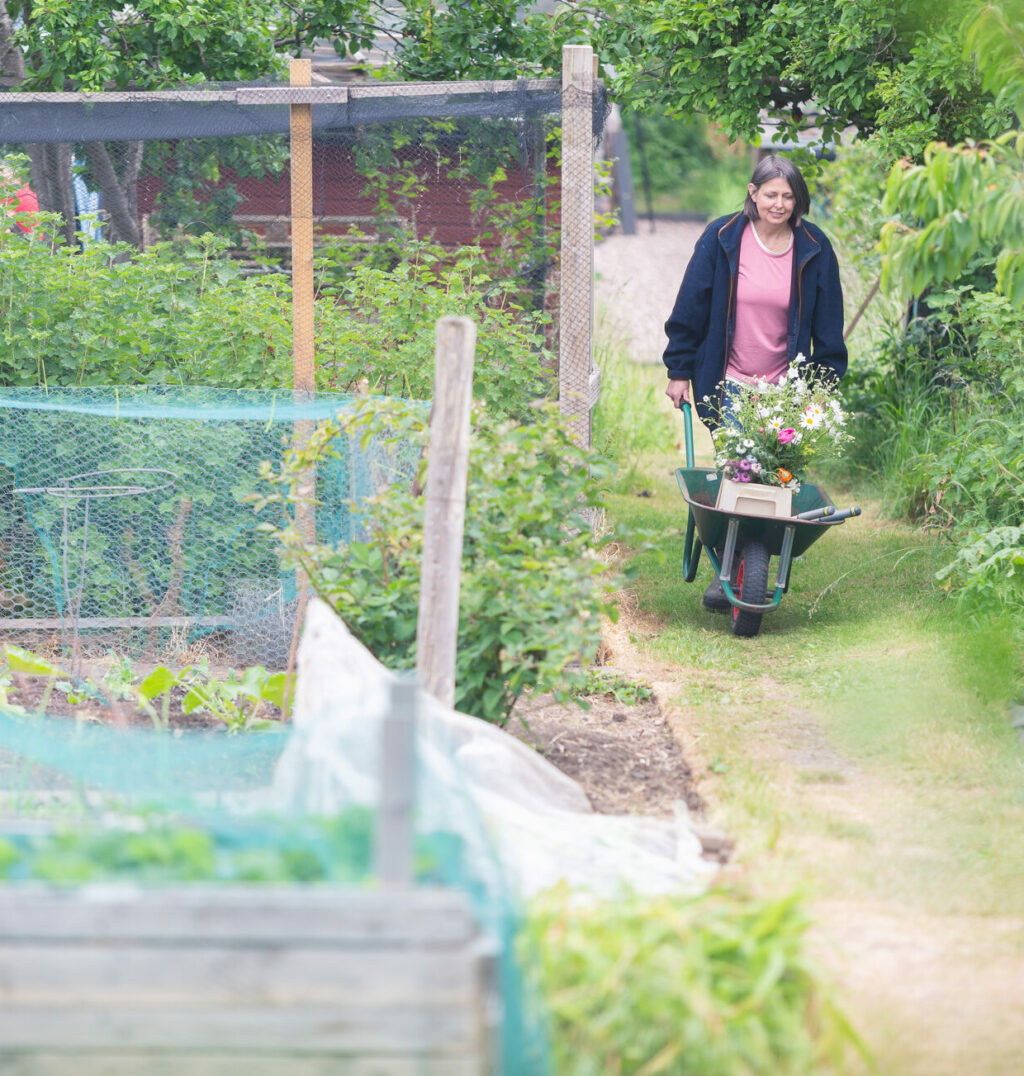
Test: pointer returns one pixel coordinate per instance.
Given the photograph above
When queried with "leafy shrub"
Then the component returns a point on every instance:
(378, 327)
(185, 313)
(943, 414)
(533, 588)
(711, 986)
(849, 192)
(109, 315)
(988, 573)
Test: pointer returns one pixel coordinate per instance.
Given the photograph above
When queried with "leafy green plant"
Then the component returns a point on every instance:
(988, 573)
(533, 587)
(184, 313)
(150, 848)
(372, 328)
(598, 681)
(238, 699)
(109, 315)
(711, 986)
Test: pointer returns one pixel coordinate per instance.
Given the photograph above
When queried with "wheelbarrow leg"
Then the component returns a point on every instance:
(785, 558)
(733, 529)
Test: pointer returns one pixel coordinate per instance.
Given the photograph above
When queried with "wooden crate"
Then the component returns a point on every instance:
(753, 499)
(262, 981)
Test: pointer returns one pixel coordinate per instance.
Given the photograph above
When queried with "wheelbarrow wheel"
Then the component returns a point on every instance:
(751, 584)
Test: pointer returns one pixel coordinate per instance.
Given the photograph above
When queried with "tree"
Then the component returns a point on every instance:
(149, 44)
(965, 202)
(891, 68)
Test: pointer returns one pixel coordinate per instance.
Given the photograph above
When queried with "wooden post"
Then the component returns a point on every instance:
(303, 311)
(393, 844)
(302, 232)
(447, 466)
(577, 386)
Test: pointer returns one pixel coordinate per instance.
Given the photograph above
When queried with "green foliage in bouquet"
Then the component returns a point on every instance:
(773, 432)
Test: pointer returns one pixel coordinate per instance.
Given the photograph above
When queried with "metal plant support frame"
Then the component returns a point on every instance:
(65, 490)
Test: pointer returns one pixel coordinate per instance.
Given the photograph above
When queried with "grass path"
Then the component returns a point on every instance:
(860, 749)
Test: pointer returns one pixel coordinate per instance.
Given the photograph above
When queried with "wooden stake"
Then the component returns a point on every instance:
(394, 838)
(577, 385)
(447, 466)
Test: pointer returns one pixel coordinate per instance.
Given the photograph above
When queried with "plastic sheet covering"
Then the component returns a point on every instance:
(539, 820)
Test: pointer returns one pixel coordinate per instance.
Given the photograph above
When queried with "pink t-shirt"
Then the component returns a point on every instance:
(762, 311)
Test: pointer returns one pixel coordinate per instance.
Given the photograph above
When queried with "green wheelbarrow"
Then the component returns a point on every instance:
(748, 542)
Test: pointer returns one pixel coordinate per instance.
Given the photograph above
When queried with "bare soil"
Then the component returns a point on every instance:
(623, 756)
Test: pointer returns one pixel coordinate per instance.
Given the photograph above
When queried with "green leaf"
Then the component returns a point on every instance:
(159, 681)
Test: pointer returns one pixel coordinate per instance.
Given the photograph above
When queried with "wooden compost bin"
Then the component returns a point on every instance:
(265, 981)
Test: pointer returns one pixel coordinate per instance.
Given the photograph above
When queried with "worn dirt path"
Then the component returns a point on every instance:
(933, 995)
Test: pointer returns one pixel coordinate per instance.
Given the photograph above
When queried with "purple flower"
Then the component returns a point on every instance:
(744, 465)
(744, 476)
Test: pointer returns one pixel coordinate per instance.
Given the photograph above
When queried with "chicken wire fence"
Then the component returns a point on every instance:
(126, 521)
(394, 165)
(121, 514)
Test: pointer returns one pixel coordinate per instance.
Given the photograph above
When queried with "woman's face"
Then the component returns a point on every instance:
(774, 200)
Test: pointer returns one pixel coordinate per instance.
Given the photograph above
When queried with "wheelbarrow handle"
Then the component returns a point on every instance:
(684, 406)
(691, 545)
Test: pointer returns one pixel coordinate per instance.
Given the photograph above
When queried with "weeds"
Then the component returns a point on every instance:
(598, 681)
(712, 985)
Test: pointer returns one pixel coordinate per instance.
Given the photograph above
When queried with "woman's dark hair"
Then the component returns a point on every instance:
(780, 168)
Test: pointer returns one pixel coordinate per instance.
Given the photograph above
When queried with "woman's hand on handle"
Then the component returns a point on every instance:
(678, 392)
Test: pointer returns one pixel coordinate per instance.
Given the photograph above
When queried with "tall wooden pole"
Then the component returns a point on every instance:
(447, 469)
(577, 385)
(303, 316)
(302, 232)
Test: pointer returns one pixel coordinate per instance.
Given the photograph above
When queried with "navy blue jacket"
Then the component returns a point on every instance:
(701, 326)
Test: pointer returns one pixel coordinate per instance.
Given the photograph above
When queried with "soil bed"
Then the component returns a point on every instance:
(623, 756)
(30, 692)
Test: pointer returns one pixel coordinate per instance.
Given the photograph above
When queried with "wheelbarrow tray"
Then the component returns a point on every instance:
(700, 485)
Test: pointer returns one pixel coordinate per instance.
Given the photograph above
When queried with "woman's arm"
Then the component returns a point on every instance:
(828, 349)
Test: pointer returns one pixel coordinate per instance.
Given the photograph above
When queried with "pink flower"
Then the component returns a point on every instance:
(744, 476)
(786, 435)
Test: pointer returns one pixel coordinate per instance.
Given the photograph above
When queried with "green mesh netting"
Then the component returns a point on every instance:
(88, 803)
(124, 519)
(124, 524)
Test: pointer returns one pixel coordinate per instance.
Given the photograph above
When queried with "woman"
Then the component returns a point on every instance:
(761, 288)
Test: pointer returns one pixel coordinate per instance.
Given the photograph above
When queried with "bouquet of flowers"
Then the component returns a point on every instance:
(776, 430)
